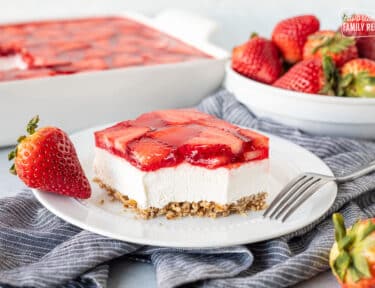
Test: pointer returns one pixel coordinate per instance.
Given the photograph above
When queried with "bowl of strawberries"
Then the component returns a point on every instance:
(320, 81)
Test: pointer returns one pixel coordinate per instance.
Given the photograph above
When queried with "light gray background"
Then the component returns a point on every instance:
(236, 18)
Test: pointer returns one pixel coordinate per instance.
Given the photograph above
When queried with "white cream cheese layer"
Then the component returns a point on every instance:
(184, 182)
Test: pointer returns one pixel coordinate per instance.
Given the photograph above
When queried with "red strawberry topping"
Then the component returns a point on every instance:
(167, 138)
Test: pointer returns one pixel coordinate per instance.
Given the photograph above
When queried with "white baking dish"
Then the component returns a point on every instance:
(82, 100)
(317, 114)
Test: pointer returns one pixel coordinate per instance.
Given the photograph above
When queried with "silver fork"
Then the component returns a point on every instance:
(301, 188)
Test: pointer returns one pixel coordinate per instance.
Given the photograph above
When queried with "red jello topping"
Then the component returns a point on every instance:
(169, 137)
(71, 46)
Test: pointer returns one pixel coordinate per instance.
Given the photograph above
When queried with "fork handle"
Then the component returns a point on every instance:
(364, 170)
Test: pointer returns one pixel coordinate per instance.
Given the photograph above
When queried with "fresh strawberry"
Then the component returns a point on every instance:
(352, 257)
(358, 78)
(330, 43)
(313, 76)
(257, 59)
(46, 159)
(290, 35)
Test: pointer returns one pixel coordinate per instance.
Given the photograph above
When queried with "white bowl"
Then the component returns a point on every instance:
(316, 114)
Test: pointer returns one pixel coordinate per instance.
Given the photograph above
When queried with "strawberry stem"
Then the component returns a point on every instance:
(32, 125)
(30, 128)
(253, 35)
(331, 76)
(21, 138)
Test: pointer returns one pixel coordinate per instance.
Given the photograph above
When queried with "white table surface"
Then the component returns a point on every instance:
(237, 19)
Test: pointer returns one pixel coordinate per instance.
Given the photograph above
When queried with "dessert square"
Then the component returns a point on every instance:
(183, 162)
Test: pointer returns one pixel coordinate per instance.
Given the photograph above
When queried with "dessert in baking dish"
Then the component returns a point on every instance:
(47, 48)
(183, 162)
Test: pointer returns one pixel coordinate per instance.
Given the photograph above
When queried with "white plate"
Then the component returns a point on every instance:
(317, 114)
(111, 220)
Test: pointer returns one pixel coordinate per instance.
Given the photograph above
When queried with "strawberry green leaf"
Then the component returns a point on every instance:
(21, 138)
(344, 83)
(346, 80)
(30, 128)
(361, 85)
(366, 231)
(371, 81)
(327, 41)
(12, 170)
(354, 274)
(342, 264)
(346, 241)
(331, 77)
(12, 155)
(253, 35)
(338, 222)
(340, 44)
(361, 265)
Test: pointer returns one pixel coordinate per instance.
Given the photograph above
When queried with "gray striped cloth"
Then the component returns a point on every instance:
(37, 249)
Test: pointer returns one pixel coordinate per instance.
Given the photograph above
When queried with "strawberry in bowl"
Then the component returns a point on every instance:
(290, 35)
(294, 41)
(325, 87)
(316, 76)
(330, 43)
(257, 59)
(358, 78)
(46, 159)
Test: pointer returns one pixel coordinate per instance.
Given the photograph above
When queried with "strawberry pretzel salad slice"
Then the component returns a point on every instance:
(183, 163)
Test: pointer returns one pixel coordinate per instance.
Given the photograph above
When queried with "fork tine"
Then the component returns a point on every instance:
(295, 195)
(283, 192)
(292, 196)
(308, 193)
